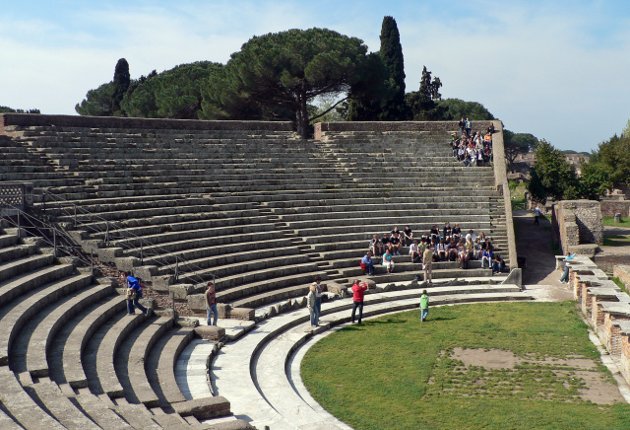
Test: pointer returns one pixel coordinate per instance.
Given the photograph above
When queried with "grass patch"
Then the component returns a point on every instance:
(620, 284)
(617, 240)
(396, 373)
(610, 221)
(517, 195)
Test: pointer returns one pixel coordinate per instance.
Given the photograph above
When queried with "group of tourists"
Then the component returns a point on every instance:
(448, 243)
(472, 149)
(359, 288)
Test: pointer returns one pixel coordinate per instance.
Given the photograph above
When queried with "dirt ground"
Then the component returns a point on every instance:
(597, 388)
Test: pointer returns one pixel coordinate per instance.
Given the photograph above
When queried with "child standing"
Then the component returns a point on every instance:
(424, 306)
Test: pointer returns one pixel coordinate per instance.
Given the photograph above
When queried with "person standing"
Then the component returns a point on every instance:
(565, 272)
(537, 214)
(358, 291)
(427, 263)
(424, 306)
(310, 303)
(319, 292)
(211, 304)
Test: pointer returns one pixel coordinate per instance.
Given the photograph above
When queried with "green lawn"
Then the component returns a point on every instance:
(396, 373)
(610, 221)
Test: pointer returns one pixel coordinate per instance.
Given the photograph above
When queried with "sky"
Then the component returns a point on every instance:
(559, 70)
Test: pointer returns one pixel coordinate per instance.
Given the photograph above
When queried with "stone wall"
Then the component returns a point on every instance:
(25, 120)
(386, 126)
(579, 225)
(612, 322)
(611, 207)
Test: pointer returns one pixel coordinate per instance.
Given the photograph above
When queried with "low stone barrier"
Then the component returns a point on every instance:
(605, 306)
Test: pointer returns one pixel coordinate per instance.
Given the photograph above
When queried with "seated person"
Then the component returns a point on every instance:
(434, 232)
(440, 250)
(487, 255)
(413, 251)
(395, 243)
(376, 246)
(408, 235)
(385, 242)
(456, 232)
(388, 261)
(447, 231)
(498, 266)
(451, 250)
(366, 264)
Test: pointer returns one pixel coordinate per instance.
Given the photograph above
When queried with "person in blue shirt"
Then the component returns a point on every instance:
(367, 264)
(134, 294)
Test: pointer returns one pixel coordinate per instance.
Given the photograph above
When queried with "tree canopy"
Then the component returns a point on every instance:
(422, 103)
(7, 109)
(552, 176)
(281, 72)
(516, 144)
(455, 109)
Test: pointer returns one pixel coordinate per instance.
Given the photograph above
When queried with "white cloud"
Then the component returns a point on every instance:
(557, 72)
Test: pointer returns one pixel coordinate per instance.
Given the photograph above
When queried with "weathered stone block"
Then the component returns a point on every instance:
(197, 302)
(210, 332)
(245, 314)
(181, 291)
(204, 408)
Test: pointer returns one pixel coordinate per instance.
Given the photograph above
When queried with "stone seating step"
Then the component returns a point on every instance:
(113, 215)
(107, 380)
(8, 253)
(397, 210)
(165, 253)
(248, 282)
(8, 239)
(21, 407)
(29, 282)
(14, 315)
(240, 258)
(13, 268)
(299, 276)
(190, 232)
(162, 361)
(134, 368)
(7, 423)
(157, 223)
(136, 415)
(73, 359)
(226, 253)
(400, 276)
(56, 404)
(100, 411)
(270, 264)
(418, 219)
(44, 333)
(365, 231)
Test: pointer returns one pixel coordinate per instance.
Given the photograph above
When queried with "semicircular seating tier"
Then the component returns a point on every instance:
(247, 203)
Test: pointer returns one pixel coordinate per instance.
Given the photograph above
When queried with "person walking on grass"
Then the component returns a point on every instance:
(427, 264)
(311, 304)
(211, 304)
(424, 306)
(358, 291)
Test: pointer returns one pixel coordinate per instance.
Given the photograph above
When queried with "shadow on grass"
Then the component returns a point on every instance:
(617, 240)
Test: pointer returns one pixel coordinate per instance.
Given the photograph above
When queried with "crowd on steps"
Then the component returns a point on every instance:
(472, 148)
(448, 243)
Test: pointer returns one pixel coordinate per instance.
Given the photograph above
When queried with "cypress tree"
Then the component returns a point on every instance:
(121, 82)
(394, 107)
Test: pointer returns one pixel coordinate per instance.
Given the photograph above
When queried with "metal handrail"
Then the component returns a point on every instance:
(76, 210)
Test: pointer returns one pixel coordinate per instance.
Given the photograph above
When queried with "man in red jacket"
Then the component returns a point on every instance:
(358, 290)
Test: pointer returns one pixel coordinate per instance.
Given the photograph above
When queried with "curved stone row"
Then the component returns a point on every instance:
(72, 358)
(259, 373)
